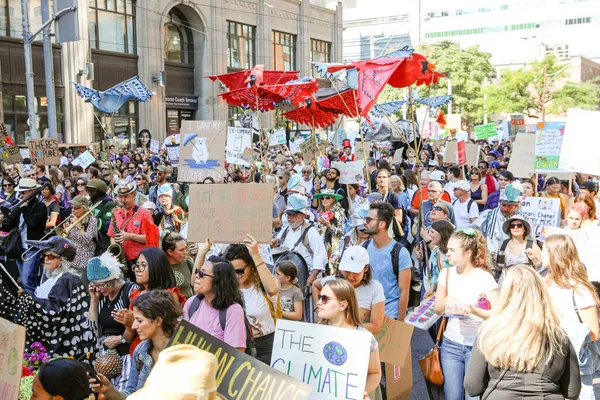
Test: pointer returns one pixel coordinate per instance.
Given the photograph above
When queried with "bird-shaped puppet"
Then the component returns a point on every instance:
(110, 100)
(321, 113)
(254, 77)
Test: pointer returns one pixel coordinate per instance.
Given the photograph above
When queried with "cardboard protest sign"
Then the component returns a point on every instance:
(295, 145)
(350, 172)
(12, 345)
(240, 376)
(277, 137)
(238, 139)
(580, 146)
(84, 160)
(226, 213)
(309, 157)
(541, 211)
(398, 379)
(248, 155)
(517, 124)
(309, 145)
(358, 150)
(522, 158)
(202, 151)
(486, 131)
(154, 145)
(461, 153)
(44, 151)
(280, 159)
(334, 360)
(454, 121)
(471, 151)
(11, 155)
(548, 144)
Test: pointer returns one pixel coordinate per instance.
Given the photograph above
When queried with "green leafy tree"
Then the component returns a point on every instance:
(540, 89)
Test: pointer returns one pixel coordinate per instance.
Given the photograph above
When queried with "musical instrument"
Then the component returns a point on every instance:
(18, 205)
(58, 229)
(116, 249)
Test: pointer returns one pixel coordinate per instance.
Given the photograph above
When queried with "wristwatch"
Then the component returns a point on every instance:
(123, 341)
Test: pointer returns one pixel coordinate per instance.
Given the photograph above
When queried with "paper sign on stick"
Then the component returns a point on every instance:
(471, 150)
(580, 144)
(486, 131)
(240, 376)
(202, 151)
(541, 211)
(522, 158)
(548, 144)
(84, 160)
(334, 360)
(12, 345)
(238, 139)
(295, 145)
(44, 151)
(227, 213)
(359, 155)
(350, 172)
(154, 144)
(277, 138)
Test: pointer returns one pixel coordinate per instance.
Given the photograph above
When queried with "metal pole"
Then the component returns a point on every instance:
(49, 71)
(29, 73)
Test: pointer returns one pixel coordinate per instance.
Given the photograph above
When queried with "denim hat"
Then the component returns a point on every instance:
(56, 244)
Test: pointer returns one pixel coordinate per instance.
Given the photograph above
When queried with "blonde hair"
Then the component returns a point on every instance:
(565, 265)
(344, 291)
(525, 330)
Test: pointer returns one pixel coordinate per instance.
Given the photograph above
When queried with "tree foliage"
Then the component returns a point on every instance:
(526, 91)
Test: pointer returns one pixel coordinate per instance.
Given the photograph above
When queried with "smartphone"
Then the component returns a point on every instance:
(92, 373)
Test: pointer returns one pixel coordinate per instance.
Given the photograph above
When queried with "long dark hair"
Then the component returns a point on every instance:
(160, 272)
(240, 252)
(225, 284)
(55, 373)
(445, 229)
(159, 304)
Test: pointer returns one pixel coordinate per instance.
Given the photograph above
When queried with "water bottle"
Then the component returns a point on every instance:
(500, 263)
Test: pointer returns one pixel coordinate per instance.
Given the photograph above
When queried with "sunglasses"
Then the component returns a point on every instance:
(202, 274)
(368, 221)
(139, 267)
(80, 184)
(326, 197)
(516, 226)
(7, 185)
(324, 299)
(138, 179)
(305, 172)
(103, 285)
(241, 271)
(50, 256)
(104, 169)
(437, 208)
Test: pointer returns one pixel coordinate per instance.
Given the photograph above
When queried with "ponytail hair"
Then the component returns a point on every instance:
(289, 269)
(474, 241)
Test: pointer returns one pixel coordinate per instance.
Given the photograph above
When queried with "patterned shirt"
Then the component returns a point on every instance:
(140, 224)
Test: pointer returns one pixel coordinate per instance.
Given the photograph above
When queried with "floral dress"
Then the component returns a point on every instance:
(331, 236)
(86, 241)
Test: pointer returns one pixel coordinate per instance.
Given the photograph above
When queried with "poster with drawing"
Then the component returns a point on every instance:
(202, 151)
(238, 140)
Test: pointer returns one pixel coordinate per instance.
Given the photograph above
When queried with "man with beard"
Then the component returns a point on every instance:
(333, 176)
(490, 221)
(159, 180)
(97, 188)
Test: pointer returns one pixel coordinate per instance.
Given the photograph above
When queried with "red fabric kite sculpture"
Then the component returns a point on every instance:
(255, 76)
(324, 112)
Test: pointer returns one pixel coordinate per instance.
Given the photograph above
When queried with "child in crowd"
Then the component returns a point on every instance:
(292, 299)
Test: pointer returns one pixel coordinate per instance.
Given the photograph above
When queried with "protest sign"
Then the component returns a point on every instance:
(11, 155)
(486, 131)
(461, 153)
(226, 213)
(12, 345)
(522, 158)
(454, 121)
(84, 160)
(399, 380)
(154, 145)
(44, 151)
(580, 147)
(350, 172)
(308, 157)
(517, 124)
(471, 151)
(423, 317)
(309, 145)
(358, 153)
(277, 137)
(340, 136)
(336, 368)
(4, 135)
(240, 376)
(173, 154)
(248, 155)
(202, 151)
(548, 144)
(295, 145)
(541, 211)
(238, 139)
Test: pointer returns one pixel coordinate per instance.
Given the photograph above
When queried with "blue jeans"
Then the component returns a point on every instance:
(30, 270)
(455, 358)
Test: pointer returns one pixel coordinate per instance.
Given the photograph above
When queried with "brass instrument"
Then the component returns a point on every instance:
(18, 205)
(115, 248)
(60, 231)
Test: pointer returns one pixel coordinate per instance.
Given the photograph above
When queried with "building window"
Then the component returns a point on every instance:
(179, 42)
(15, 116)
(320, 51)
(284, 51)
(123, 124)
(240, 45)
(112, 25)
(11, 18)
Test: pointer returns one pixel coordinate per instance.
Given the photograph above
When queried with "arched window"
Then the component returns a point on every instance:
(179, 43)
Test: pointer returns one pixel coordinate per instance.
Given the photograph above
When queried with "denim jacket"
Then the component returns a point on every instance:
(141, 365)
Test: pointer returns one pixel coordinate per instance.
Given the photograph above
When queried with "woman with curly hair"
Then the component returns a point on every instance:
(458, 292)
(260, 291)
(217, 276)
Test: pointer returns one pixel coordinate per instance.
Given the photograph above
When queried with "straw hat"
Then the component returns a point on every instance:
(26, 184)
(182, 372)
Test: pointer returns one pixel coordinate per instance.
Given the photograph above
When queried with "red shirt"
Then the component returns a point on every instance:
(416, 202)
(344, 157)
(141, 224)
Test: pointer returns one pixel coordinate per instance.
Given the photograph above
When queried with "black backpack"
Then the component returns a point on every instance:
(250, 347)
(395, 255)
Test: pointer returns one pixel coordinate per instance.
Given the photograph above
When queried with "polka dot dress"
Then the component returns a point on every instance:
(60, 322)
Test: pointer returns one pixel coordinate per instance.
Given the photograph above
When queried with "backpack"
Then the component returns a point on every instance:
(250, 347)
(504, 244)
(303, 238)
(395, 255)
(471, 201)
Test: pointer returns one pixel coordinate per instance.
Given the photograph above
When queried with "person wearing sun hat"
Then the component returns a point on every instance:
(173, 217)
(59, 301)
(331, 218)
(520, 248)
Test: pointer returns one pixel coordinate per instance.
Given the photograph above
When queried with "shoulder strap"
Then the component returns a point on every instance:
(504, 245)
(195, 304)
(396, 258)
(485, 396)
(575, 306)
(190, 265)
(366, 243)
(223, 318)
(529, 244)
(284, 234)
(301, 239)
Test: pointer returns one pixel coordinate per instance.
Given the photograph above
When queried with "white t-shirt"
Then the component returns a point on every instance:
(258, 311)
(462, 215)
(466, 291)
(367, 295)
(563, 301)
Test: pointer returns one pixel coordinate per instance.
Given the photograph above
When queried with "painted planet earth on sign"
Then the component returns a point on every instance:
(335, 353)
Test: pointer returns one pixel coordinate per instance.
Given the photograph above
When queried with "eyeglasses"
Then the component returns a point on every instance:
(104, 169)
(305, 172)
(326, 197)
(80, 184)
(102, 285)
(139, 267)
(516, 226)
(241, 271)
(324, 299)
(202, 274)
(7, 185)
(368, 221)
(437, 208)
(138, 179)
(51, 256)
(482, 167)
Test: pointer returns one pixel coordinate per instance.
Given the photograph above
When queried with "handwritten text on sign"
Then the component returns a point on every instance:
(333, 360)
(350, 172)
(548, 145)
(486, 131)
(12, 344)
(542, 211)
(240, 376)
(238, 140)
(44, 151)
(202, 151)
(227, 213)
